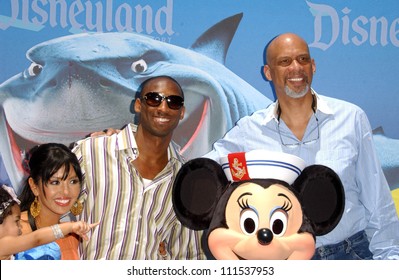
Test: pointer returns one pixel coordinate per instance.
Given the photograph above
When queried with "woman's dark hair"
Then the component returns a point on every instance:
(43, 162)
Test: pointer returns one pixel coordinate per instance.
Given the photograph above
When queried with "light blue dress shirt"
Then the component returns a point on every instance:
(340, 137)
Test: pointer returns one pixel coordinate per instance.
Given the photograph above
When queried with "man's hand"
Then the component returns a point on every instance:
(106, 132)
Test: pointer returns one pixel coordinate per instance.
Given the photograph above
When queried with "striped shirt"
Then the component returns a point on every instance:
(134, 219)
(339, 137)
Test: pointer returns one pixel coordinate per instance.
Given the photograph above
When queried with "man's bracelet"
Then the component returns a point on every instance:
(57, 232)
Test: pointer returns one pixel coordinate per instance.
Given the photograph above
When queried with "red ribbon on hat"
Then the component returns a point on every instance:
(238, 166)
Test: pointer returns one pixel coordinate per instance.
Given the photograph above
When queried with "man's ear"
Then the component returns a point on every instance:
(137, 106)
(266, 71)
(183, 111)
(313, 66)
(197, 188)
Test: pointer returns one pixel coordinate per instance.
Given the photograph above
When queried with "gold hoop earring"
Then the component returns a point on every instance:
(77, 208)
(35, 208)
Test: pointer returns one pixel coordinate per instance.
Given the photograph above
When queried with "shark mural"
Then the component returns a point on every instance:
(82, 83)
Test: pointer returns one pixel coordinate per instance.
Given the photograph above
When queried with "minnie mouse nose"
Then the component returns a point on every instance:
(265, 236)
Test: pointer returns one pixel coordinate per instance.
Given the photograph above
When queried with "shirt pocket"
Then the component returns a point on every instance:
(341, 160)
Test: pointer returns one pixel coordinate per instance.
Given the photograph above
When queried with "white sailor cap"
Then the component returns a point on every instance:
(262, 164)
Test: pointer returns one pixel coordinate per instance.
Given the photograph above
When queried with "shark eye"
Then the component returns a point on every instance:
(249, 221)
(139, 66)
(34, 69)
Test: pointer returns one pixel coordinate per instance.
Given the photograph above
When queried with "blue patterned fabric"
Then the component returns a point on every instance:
(50, 251)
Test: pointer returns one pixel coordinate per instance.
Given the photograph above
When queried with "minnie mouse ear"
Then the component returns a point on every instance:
(196, 190)
(322, 197)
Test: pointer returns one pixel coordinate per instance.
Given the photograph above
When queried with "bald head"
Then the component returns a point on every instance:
(284, 41)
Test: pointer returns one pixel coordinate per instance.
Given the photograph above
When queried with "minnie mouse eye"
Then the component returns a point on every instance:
(249, 221)
(278, 222)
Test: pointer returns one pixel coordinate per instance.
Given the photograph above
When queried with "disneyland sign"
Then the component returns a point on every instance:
(332, 25)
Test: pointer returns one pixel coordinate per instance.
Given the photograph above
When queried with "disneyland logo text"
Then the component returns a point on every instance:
(85, 16)
(357, 30)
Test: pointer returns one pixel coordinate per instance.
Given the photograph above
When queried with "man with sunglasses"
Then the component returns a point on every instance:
(326, 131)
(128, 178)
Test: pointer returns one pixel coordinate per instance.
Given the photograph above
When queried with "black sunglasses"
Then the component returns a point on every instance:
(154, 99)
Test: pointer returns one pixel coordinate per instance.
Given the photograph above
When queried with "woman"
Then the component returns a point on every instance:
(11, 240)
(50, 192)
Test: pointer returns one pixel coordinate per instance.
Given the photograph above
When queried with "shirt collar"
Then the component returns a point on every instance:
(125, 137)
(321, 106)
(126, 141)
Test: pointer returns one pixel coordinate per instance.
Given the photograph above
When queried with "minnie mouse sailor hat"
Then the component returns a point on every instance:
(262, 164)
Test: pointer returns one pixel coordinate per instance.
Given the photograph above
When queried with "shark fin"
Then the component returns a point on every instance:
(215, 42)
(378, 130)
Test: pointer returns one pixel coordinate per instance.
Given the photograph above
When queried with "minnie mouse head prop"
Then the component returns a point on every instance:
(258, 204)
